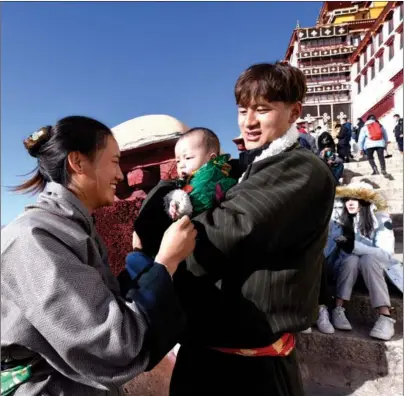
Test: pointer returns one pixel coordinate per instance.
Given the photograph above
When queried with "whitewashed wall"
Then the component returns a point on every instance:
(377, 88)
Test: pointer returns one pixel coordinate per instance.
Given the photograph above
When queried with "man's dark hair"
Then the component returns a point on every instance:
(397, 115)
(319, 127)
(272, 82)
(210, 139)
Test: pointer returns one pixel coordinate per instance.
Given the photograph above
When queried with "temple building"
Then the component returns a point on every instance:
(147, 152)
(323, 53)
(377, 69)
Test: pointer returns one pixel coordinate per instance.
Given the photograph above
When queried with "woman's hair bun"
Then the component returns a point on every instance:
(34, 142)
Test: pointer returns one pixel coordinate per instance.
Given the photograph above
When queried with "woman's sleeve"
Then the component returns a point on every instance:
(384, 238)
(89, 334)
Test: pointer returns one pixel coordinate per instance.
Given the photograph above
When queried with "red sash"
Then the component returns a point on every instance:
(282, 347)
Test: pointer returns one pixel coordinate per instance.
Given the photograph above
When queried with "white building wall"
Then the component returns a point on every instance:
(377, 88)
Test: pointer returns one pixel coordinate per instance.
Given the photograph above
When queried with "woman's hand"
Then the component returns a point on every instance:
(177, 244)
(136, 242)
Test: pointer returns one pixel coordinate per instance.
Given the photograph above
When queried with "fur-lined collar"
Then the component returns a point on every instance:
(278, 146)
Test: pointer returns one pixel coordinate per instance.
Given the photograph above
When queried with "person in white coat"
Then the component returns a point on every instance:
(361, 241)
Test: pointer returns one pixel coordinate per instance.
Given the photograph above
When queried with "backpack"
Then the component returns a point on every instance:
(375, 131)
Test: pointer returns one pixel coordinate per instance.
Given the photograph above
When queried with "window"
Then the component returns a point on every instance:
(365, 79)
(391, 24)
(358, 67)
(401, 40)
(391, 51)
(401, 11)
(372, 71)
(372, 47)
(359, 86)
(381, 36)
(365, 58)
(381, 62)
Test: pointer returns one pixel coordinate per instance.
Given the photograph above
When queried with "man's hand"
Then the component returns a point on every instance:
(136, 242)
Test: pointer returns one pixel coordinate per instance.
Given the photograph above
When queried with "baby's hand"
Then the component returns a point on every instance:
(173, 210)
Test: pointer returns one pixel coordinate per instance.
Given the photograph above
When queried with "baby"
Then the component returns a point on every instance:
(202, 183)
(203, 174)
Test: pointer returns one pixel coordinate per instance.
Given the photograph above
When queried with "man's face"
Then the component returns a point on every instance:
(396, 119)
(191, 154)
(263, 122)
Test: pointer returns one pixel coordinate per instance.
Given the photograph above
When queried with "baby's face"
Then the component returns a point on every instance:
(191, 154)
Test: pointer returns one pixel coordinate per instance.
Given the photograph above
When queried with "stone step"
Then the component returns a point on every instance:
(366, 169)
(396, 206)
(359, 310)
(390, 164)
(352, 362)
(377, 181)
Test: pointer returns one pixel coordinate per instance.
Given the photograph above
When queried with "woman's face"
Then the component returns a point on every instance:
(97, 179)
(352, 206)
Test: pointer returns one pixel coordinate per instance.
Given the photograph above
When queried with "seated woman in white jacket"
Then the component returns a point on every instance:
(361, 241)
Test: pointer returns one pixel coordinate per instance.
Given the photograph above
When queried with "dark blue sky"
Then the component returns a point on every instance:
(115, 61)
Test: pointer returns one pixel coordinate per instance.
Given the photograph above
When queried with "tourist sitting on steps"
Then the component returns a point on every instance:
(373, 137)
(361, 240)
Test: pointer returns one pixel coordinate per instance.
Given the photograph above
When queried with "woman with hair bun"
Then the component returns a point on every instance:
(68, 325)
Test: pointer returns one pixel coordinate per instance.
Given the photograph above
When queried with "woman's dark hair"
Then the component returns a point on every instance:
(365, 218)
(51, 145)
(371, 117)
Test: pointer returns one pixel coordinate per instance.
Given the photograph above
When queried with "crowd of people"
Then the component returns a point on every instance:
(228, 261)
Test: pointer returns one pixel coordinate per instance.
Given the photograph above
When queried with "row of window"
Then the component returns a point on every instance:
(380, 66)
(379, 39)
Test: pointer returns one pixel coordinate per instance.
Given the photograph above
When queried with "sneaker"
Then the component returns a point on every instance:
(307, 331)
(323, 321)
(383, 328)
(339, 319)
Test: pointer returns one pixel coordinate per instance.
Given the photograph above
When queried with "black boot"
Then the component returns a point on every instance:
(384, 173)
(375, 171)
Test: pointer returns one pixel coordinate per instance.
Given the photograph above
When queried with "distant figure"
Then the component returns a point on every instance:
(306, 140)
(344, 139)
(326, 140)
(333, 162)
(315, 134)
(357, 128)
(398, 132)
(373, 137)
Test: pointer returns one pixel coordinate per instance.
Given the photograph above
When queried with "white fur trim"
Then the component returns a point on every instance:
(278, 146)
(182, 200)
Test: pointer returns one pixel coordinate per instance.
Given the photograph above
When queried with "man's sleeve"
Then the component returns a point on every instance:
(261, 210)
